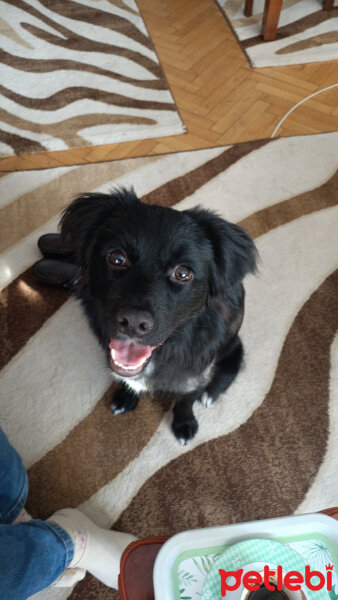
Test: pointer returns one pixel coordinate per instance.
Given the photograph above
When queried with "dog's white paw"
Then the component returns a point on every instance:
(117, 411)
(183, 441)
(206, 400)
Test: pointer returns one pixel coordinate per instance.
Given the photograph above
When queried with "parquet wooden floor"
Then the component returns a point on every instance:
(221, 99)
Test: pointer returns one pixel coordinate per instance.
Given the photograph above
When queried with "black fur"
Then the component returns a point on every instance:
(192, 324)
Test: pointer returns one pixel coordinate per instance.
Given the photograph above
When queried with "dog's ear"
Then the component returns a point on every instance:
(235, 254)
(85, 214)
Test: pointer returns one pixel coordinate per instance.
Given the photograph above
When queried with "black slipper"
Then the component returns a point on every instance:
(57, 273)
(54, 245)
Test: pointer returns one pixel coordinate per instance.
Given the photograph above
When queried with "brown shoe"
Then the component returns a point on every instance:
(53, 245)
(57, 273)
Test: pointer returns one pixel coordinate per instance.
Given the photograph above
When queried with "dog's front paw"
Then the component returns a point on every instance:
(185, 431)
(124, 400)
(207, 400)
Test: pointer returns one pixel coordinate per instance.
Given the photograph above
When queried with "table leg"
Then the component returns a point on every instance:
(328, 4)
(272, 10)
(248, 8)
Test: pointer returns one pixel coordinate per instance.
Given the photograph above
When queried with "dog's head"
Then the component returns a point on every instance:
(151, 269)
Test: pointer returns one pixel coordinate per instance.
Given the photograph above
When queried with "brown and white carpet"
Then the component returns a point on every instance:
(269, 447)
(79, 73)
(306, 32)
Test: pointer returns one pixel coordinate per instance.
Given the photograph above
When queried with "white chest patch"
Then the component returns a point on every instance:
(139, 383)
(137, 386)
(142, 382)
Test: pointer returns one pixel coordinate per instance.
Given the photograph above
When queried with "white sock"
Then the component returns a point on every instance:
(23, 517)
(96, 550)
(69, 577)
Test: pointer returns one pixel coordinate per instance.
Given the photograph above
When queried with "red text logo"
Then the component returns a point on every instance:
(275, 579)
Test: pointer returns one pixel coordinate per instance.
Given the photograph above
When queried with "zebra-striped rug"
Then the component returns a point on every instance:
(306, 32)
(76, 74)
(269, 446)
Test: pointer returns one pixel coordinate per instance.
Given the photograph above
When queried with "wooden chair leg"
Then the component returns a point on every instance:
(328, 4)
(272, 10)
(248, 8)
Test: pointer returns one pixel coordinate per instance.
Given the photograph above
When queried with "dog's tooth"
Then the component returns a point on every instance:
(133, 368)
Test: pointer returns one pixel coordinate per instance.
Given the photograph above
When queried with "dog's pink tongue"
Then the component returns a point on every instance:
(129, 354)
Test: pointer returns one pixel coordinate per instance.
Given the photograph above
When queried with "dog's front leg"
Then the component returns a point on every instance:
(124, 400)
(184, 424)
(225, 372)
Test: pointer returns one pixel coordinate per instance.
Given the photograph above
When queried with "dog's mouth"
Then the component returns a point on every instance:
(127, 358)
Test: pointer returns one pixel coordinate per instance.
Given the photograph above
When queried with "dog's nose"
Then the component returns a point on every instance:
(134, 323)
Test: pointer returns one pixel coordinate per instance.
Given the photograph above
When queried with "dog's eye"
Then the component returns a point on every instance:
(118, 259)
(181, 274)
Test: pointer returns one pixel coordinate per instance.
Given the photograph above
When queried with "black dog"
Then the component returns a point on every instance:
(163, 293)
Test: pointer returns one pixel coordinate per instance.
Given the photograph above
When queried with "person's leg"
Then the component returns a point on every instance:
(35, 553)
(32, 556)
(13, 482)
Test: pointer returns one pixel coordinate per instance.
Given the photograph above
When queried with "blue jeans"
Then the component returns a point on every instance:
(32, 554)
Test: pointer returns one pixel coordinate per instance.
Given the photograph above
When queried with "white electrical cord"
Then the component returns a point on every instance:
(298, 104)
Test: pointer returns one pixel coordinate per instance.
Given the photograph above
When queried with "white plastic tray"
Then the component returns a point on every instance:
(283, 529)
